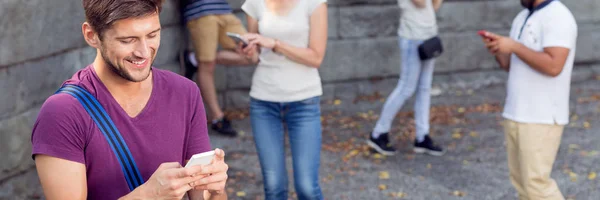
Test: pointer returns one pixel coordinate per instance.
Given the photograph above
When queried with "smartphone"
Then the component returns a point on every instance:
(237, 38)
(201, 159)
(482, 34)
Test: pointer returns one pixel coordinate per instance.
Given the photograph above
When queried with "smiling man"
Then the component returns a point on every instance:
(158, 119)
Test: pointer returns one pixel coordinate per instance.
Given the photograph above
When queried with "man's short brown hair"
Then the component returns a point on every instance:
(101, 14)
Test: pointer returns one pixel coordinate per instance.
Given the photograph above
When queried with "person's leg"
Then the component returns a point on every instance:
(228, 56)
(538, 146)
(423, 99)
(424, 143)
(267, 129)
(204, 35)
(511, 133)
(409, 76)
(303, 120)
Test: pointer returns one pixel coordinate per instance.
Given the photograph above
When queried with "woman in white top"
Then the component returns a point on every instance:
(417, 24)
(290, 36)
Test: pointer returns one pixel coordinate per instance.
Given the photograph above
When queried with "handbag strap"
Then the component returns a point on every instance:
(110, 132)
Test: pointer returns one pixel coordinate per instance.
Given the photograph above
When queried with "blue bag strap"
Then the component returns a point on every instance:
(110, 132)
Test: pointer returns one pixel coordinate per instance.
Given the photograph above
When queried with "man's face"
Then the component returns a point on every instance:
(129, 46)
(527, 3)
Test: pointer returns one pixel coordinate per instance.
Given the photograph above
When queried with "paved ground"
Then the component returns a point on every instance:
(465, 122)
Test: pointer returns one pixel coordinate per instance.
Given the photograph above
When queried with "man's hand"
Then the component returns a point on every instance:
(214, 175)
(497, 44)
(169, 181)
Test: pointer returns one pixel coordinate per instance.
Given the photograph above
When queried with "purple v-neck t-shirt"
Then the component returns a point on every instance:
(171, 128)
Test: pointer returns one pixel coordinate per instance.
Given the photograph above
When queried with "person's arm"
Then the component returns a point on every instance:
(252, 50)
(504, 61)
(437, 4)
(56, 174)
(311, 56)
(549, 62)
(419, 3)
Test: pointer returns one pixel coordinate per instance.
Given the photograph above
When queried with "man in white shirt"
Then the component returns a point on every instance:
(539, 57)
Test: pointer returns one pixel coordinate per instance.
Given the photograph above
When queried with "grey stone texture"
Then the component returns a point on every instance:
(42, 46)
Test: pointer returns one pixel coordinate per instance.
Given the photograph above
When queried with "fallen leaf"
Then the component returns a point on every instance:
(587, 125)
(456, 135)
(401, 195)
(461, 110)
(465, 162)
(428, 166)
(384, 175)
(574, 118)
(470, 92)
(573, 146)
(592, 176)
(458, 193)
(241, 133)
(573, 176)
(382, 187)
(474, 134)
(337, 102)
(240, 194)
(377, 156)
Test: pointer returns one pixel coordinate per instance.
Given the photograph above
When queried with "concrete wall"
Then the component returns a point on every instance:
(42, 46)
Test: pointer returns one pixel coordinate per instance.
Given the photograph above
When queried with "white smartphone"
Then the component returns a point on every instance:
(201, 159)
(237, 38)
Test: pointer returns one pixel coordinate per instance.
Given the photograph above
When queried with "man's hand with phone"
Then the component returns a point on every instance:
(214, 175)
(499, 46)
(169, 181)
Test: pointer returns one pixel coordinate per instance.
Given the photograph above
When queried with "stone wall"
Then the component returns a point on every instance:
(42, 46)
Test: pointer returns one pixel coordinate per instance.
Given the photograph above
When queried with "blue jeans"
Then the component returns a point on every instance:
(302, 121)
(415, 76)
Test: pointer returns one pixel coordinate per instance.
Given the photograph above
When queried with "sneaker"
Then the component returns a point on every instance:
(223, 126)
(186, 66)
(427, 146)
(381, 144)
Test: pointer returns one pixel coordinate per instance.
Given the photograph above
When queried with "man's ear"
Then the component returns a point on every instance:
(90, 35)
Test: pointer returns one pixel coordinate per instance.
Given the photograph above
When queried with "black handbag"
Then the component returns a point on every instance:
(431, 48)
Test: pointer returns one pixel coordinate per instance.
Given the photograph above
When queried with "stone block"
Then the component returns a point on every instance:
(236, 4)
(360, 58)
(464, 51)
(24, 186)
(455, 16)
(171, 41)
(333, 22)
(236, 99)
(587, 44)
(368, 21)
(170, 14)
(15, 143)
(585, 11)
(26, 85)
(239, 77)
(31, 29)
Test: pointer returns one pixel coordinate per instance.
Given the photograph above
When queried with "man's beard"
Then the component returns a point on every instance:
(527, 4)
(121, 71)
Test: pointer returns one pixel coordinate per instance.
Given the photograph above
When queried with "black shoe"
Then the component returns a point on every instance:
(381, 144)
(187, 68)
(427, 146)
(223, 126)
